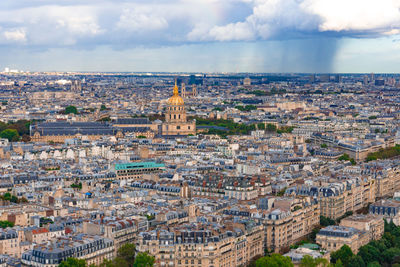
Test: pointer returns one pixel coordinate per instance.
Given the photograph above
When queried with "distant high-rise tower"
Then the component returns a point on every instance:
(365, 80)
(312, 78)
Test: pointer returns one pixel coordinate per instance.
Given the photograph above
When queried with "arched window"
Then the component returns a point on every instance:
(174, 116)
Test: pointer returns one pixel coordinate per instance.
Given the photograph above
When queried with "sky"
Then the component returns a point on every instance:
(201, 35)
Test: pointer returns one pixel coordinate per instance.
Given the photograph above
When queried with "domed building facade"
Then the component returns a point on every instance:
(176, 123)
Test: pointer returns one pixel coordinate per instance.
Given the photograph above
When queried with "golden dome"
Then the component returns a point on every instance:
(176, 99)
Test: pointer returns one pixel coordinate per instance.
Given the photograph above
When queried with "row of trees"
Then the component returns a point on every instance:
(14, 199)
(126, 257)
(346, 157)
(277, 260)
(273, 91)
(246, 108)
(13, 131)
(234, 128)
(384, 153)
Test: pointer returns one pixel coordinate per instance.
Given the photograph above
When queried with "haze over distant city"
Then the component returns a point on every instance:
(201, 35)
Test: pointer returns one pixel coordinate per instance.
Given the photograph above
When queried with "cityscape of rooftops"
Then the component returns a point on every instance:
(200, 133)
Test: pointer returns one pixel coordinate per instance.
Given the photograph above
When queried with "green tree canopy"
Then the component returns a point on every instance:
(308, 261)
(10, 134)
(127, 252)
(143, 259)
(71, 109)
(5, 224)
(73, 262)
(275, 260)
(344, 254)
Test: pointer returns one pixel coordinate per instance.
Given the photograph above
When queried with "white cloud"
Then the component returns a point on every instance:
(15, 35)
(357, 15)
(141, 20)
(289, 18)
(181, 21)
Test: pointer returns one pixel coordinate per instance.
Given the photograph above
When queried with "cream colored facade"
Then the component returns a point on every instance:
(372, 224)
(175, 117)
(290, 221)
(333, 238)
(224, 250)
(347, 198)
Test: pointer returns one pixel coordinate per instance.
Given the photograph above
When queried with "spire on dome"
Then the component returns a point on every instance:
(176, 90)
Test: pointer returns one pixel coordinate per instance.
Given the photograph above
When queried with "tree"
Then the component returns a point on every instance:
(71, 109)
(275, 260)
(344, 254)
(390, 254)
(26, 138)
(144, 260)
(308, 261)
(374, 264)
(10, 134)
(103, 107)
(117, 262)
(73, 262)
(369, 253)
(356, 261)
(271, 127)
(325, 221)
(344, 157)
(127, 253)
(5, 224)
(324, 145)
(261, 126)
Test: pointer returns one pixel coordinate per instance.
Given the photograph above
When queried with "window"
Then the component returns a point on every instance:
(178, 127)
(189, 127)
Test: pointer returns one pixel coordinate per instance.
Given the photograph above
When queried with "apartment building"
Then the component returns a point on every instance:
(120, 231)
(388, 209)
(93, 249)
(289, 221)
(372, 224)
(341, 196)
(334, 237)
(228, 244)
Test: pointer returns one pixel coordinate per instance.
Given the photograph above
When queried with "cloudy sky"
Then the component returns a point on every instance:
(201, 35)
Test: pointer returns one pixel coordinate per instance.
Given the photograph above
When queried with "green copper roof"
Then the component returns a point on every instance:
(138, 165)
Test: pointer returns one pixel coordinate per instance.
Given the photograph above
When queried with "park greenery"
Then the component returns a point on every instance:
(5, 224)
(126, 257)
(10, 134)
(346, 157)
(384, 153)
(14, 130)
(14, 199)
(77, 186)
(71, 110)
(246, 108)
(233, 128)
(273, 91)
